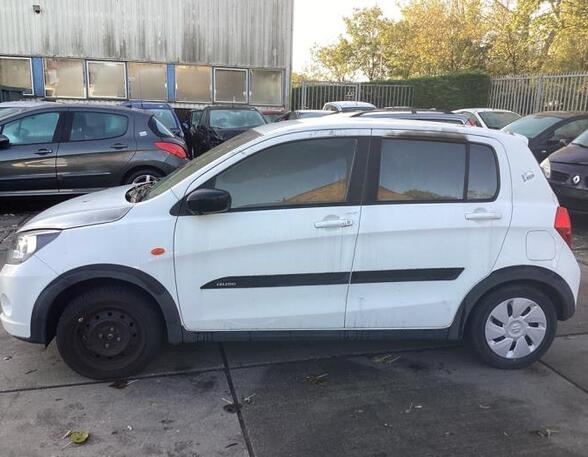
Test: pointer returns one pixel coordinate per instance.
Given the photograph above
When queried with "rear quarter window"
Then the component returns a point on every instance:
(159, 129)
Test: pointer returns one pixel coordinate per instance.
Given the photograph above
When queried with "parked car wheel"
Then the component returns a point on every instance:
(143, 176)
(109, 332)
(513, 327)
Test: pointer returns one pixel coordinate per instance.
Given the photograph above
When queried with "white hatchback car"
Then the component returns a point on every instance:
(350, 228)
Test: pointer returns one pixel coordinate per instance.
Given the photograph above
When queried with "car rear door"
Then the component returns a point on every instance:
(429, 230)
(28, 163)
(280, 258)
(98, 145)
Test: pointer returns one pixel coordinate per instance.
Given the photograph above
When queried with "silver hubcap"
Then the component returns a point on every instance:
(515, 328)
(143, 179)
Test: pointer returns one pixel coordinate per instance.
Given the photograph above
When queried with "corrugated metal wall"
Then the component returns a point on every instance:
(246, 33)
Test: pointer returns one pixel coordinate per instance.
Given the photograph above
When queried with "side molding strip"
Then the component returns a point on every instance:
(323, 279)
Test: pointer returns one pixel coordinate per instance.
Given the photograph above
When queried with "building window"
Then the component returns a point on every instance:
(64, 78)
(193, 83)
(107, 79)
(266, 87)
(16, 72)
(230, 85)
(147, 81)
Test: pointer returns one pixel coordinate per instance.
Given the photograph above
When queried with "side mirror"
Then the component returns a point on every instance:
(208, 201)
(4, 142)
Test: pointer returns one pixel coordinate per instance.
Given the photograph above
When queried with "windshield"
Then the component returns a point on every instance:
(582, 140)
(498, 119)
(235, 119)
(531, 126)
(165, 116)
(200, 162)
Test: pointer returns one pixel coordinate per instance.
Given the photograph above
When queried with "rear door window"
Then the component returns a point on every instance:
(88, 125)
(421, 171)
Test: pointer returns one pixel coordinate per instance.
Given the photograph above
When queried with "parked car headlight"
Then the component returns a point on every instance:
(546, 167)
(25, 244)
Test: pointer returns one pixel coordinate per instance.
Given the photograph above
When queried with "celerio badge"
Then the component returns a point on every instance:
(576, 179)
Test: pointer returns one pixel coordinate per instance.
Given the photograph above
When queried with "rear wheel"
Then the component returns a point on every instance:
(109, 332)
(143, 176)
(513, 327)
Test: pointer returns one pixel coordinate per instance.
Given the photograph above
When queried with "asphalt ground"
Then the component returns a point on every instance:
(374, 399)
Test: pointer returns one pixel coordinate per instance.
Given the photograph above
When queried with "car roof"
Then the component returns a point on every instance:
(482, 110)
(240, 107)
(77, 106)
(413, 114)
(25, 104)
(561, 114)
(321, 111)
(146, 104)
(351, 104)
(343, 121)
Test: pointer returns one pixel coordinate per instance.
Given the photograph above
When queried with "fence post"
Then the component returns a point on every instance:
(303, 95)
(538, 94)
(358, 92)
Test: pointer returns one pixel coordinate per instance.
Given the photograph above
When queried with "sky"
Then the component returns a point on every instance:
(321, 22)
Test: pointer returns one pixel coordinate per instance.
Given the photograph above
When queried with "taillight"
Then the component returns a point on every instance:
(563, 225)
(172, 148)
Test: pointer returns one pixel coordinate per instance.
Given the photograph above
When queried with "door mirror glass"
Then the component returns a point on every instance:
(208, 201)
(4, 142)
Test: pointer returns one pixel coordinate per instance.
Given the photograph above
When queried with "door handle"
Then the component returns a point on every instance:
(43, 151)
(482, 216)
(332, 223)
(119, 146)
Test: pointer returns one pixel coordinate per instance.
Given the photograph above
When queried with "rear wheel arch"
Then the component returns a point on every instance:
(543, 279)
(52, 301)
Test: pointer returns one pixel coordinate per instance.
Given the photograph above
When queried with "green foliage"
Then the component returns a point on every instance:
(452, 91)
(435, 37)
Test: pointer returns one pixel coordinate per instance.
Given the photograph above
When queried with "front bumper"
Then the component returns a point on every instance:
(20, 285)
(573, 198)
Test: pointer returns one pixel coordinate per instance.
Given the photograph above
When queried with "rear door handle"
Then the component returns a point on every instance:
(43, 151)
(334, 223)
(119, 146)
(482, 216)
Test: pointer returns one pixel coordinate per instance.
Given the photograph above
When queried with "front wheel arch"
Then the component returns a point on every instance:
(52, 301)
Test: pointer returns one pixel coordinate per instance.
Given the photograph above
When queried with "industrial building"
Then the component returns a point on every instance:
(186, 52)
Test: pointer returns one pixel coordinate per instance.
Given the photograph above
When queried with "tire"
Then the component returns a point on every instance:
(109, 332)
(512, 327)
(143, 175)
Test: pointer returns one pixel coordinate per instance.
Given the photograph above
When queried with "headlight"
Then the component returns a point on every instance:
(26, 244)
(546, 167)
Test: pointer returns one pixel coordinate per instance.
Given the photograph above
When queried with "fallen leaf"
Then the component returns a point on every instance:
(8, 357)
(232, 407)
(544, 432)
(122, 383)
(31, 371)
(320, 380)
(247, 400)
(231, 445)
(484, 406)
(385, 359)
(79, 436)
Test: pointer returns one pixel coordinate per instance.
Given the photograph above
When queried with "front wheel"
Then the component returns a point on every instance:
(513, 327)
(109, 332)
(143, 177)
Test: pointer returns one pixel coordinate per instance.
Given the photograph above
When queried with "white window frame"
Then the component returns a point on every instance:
(85, 72)
(273, 70)
(210, 86)
(126, 81)
(243, 70)
(127, 63)
(32, 92)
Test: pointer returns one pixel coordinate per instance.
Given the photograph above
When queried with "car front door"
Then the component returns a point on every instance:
(28, 162)
(280, 258)
(432, 225)
(97, 147)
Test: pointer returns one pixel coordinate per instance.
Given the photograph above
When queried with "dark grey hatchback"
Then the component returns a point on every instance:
(79, 148)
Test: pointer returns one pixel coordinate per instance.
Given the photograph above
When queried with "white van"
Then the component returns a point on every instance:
(344, 227)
